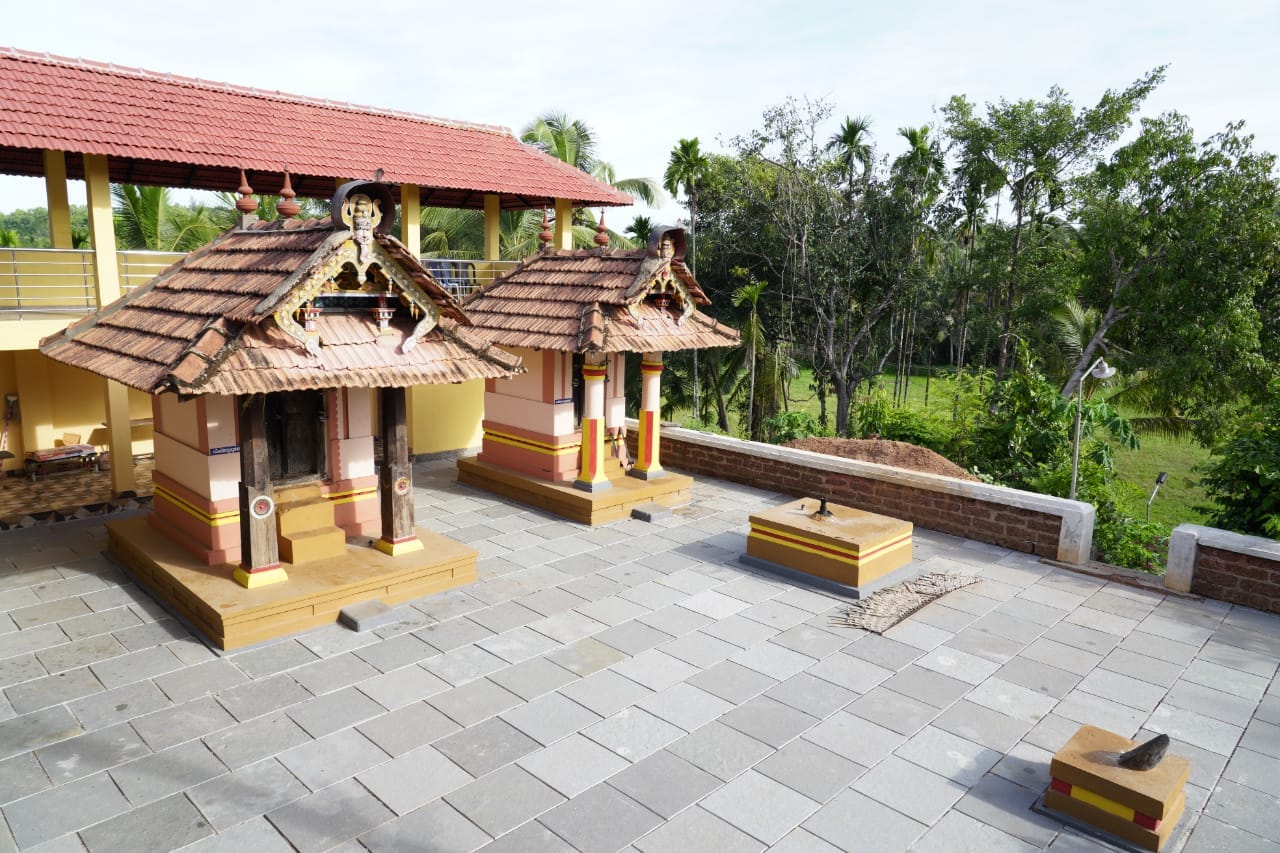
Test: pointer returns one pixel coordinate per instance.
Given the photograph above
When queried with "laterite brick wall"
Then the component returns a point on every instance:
(1022, 521)
(1217, 564)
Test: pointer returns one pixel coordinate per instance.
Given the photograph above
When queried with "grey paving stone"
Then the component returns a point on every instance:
(586, 656)
(334, 711)
(697, 829)
(803, 841)
(52, 690)
(1123, 689)
(453, 634)
(257, 835)
(720, 750)
(107, 621)
(150, 634)
(631, 637)
(909, 788)
(1255, 770)
(115, 706)
(811, 641)
(633, 733)
(664, 783)
(1213, 836)
(135, 666)
(773, 660)
(321, 820)
(606, 692)
(533, 837)
(263, 696)
(1012, 699)
(1244, 808)
(548, 602)
(742, 632)
(414, 779)
(854, 738)
(549, 718)
(1080, 637)
(817, 773)
(1218, 676)
(958, 831)
(600, 820)
(48, 612)
(325, 676)
(573, 765)
(918, 634)
(949, 755)
(654, 669)
(982, 725)
(940, 616)
(882, 651)
(161, 826)
(75, 654)
(769, 721)
(474, 701)
(1204, 732)
(732, 682)
(485, 747)
(407, 685)
(1026, 765)
(1101, 620)
(519, 644)
(763, 808)
(1257, 663)
(675, 620)
(31, 640)
(1160, 648)
(32, 731)
(1261, 737)
(504, 799)
(435, 828)
(21, 776)
(532, 678)
(272, 658)
(459, 665)
(893, 711)
(248, 743)
(406, 728)
(567, 627)
(90, 753)
(1007, 807)
(22, 668)
(196, 681)
(685, 706)
(1234, 709)
(322, 762)
(1040, 677)
(164, 773)
(505, 616)
(396, 652)
(927, 686)
(1087, 708)
(64, 809)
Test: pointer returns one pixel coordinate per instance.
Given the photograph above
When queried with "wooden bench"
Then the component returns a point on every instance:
(69, 457)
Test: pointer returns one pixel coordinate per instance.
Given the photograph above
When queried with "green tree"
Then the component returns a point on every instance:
(852, 148)
(640, 229)
(147, 218)
(572, 141)
(686, 169)
(753, 341)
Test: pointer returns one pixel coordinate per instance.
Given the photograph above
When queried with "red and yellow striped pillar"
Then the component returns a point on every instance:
(591, 476)
(647, 466)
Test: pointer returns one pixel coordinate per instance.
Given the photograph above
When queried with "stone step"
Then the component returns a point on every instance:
(320, 544)
(294, 517)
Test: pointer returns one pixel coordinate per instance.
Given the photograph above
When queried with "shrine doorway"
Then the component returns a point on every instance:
(295, 436)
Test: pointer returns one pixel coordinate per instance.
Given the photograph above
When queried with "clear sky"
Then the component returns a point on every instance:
(645, 75)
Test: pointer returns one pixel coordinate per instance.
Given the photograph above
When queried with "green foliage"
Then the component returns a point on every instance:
(876, 415)
(788, 426)
(1243, 475)
(1024, 427)
(30, 228)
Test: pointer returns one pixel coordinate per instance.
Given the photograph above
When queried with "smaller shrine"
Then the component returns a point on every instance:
(275, 355)
(555, 437)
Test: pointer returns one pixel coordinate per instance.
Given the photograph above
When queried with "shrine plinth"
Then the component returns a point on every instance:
(854, 551)
(1139, 806)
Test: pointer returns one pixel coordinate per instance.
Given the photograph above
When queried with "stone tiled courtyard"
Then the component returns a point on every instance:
(628, 686)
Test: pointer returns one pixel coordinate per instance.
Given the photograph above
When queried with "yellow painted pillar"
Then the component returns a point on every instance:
(564, 224)
(106, 273)
(492, 227)
(35, 399)
(591, 476)
(55, 189)
(647, 466)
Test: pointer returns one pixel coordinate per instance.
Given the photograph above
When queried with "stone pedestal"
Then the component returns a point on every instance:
(855, 550)
(1140, 806)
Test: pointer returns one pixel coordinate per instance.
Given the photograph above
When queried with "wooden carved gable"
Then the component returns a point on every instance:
(358, 276)
(656, 283)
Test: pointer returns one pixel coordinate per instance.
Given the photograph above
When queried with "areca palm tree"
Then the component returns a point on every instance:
(851, 146)
(752, 340)
(686, 169)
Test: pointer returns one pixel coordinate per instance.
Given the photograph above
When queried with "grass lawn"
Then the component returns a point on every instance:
(1174, 504)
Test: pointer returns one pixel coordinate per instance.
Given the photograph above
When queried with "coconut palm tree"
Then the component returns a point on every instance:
(572, 141)
(640, 229)
(147, 218)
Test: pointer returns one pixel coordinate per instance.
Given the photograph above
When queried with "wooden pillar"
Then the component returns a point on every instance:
(395, 480)
(492, 227)
(411, 236)
(106, 272)
(55, 189)
(647, 466)
(564, 224)
(259, 549)
(591, 476)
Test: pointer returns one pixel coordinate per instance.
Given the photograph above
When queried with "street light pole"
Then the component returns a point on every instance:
(1099, 370)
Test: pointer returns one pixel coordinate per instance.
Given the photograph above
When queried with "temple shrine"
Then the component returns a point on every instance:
(271, 356)
(555, 437)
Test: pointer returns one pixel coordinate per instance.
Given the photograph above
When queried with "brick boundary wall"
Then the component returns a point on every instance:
(1022, 521)
(1227, 566)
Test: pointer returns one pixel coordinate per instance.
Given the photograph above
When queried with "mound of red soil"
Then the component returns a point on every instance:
(899, 454)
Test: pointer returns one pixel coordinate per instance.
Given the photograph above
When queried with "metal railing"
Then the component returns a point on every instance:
(44, 282)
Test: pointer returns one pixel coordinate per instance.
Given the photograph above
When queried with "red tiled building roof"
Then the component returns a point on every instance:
(208, 323)
(165, 130)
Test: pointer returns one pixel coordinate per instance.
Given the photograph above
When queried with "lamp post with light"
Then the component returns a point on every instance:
(1098, 370)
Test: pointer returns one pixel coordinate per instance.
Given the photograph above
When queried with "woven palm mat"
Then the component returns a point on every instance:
(889, 606)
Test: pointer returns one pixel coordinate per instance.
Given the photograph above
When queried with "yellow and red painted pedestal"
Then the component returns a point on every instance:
(855, 552)
(1139, 806)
